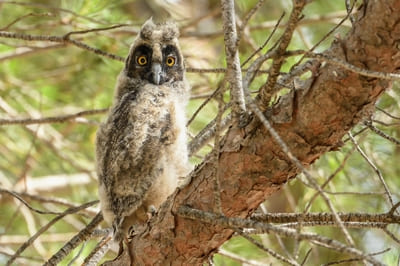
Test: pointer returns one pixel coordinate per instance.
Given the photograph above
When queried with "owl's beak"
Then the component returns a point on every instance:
(156, 69)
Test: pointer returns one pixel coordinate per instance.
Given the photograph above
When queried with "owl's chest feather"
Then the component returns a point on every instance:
(160, 112)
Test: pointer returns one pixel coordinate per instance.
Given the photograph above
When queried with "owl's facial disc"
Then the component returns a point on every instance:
(156, 64)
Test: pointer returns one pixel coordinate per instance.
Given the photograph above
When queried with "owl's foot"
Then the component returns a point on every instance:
(151, 211)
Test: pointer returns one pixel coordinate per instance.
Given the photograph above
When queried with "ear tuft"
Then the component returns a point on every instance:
(147, 29)
(170, 31)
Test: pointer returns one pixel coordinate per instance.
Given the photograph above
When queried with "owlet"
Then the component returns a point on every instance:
(141, 149)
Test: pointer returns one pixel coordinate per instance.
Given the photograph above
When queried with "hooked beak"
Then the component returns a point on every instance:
(156, 69)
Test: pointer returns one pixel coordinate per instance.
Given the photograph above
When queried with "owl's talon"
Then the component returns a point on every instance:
(152, 211)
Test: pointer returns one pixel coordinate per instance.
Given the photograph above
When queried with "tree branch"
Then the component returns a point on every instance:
(234, 223)
(51, 119)
(267, 91)
(75, 241)
(47, 226)
(234, 74)
(59, 39)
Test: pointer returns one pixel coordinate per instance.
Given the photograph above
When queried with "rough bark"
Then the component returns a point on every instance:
(252, 166)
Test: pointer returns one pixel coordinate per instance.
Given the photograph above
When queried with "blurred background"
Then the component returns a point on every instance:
(51, 165)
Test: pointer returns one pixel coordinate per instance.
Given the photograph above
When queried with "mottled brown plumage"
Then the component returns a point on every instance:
(141, 148)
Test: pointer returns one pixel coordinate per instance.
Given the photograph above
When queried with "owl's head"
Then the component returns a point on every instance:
(155, 55)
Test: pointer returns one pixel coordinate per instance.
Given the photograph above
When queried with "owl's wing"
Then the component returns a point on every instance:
(110, 138)
(129, 148)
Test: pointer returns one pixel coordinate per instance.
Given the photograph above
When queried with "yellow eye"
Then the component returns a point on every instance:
(170, 61)
(141, 60)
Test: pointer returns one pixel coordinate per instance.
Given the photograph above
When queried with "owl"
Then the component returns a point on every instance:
(141, 149)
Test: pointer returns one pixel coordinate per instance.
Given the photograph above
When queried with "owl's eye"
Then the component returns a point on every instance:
(142, 60)
(170, 61)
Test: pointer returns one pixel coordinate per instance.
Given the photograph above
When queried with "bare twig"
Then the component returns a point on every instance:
(218, 130)
(237, 223)
(25, 16)
(268, 250)
(364, 129)
(207, 100)
(53, 200)
(59, 39)
(47, 226)
(267, 90)
(22, 257)
(385, 124)
(306, 257)
(384, 218)
(205, 70)
(238, 258)
(206, 134)
(324, 37)
(353, 68)
(94, 30)
(232, 58)
(247, 18)
(391, 235)
(354, 193)
(368, 123)
(387, 113)
(83, 235)
(51, 119)
(52, 8)
(355, 259)
(266, 41)
(329, 179)
(333, 17)
(394, 208)
(25, 51)
(377, 171)
(18, 196)
(223, 70)
(75, 258)
(98, 252)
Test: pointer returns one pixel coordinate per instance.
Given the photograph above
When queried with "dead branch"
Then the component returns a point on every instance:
(47, 226)
(234, 73)
(51, 119)
(83, 235)
(267, 91)
(59, 39)
(235, 223)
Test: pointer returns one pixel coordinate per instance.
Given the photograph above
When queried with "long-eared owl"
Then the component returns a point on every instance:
(141, 149)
